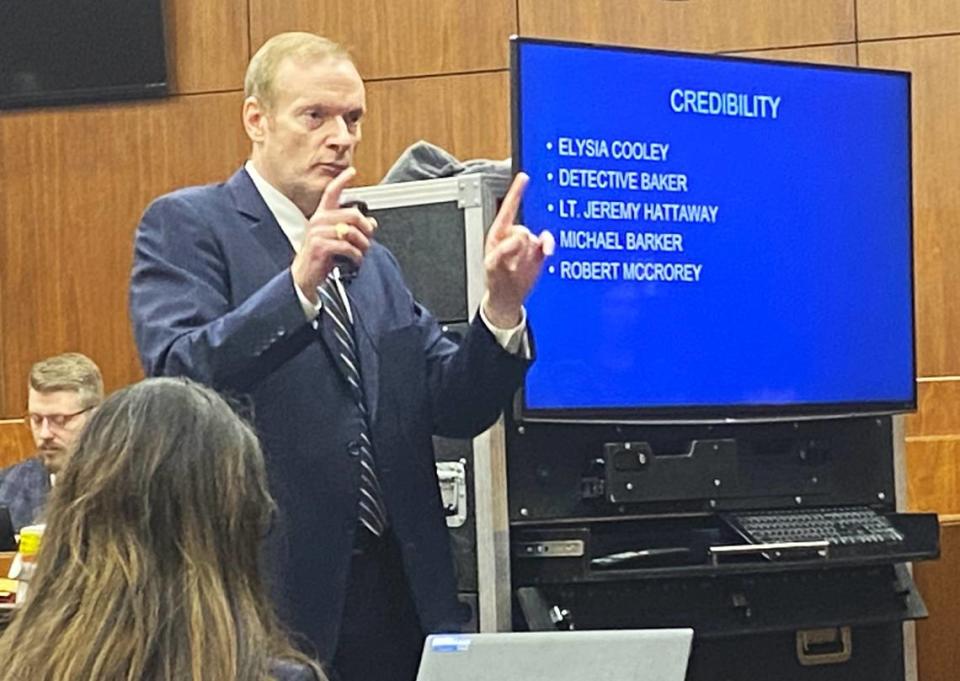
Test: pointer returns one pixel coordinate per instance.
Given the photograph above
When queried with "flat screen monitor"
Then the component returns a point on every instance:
(66, 51)
(734, 235)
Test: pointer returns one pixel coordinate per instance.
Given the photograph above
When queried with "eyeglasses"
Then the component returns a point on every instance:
(55, 421)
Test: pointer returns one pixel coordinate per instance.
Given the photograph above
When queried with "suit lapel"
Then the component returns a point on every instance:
(266, 230)
(263, 225)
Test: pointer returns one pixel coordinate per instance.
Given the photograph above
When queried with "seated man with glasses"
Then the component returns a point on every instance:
(62, 392)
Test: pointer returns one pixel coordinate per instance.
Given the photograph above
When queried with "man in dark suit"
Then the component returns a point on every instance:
(61, 393)
(243, 286)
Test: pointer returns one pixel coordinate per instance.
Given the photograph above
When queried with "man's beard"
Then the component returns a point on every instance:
(53, 458)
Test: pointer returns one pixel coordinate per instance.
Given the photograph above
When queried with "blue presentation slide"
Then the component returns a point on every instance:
(730, 233)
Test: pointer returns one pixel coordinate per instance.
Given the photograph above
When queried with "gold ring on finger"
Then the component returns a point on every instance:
(341, 228)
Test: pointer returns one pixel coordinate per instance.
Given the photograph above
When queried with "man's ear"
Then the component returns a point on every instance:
(254, 119)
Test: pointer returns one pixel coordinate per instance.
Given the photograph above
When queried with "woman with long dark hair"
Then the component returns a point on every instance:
(148, 567)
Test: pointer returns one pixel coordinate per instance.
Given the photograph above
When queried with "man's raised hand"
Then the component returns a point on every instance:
(331, 231)
(513, 259)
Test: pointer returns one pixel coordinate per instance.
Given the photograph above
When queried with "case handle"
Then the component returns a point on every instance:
(833, 645)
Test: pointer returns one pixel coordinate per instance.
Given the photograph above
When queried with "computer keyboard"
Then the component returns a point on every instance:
(840, 526)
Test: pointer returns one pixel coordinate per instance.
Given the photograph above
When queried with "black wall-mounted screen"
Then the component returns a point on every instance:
(734, 236)
(64, 51)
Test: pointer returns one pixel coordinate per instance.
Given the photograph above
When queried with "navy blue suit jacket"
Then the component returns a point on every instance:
(24, 488)
(212, 298)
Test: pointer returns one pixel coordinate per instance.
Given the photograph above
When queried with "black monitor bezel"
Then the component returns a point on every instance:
(721, 413)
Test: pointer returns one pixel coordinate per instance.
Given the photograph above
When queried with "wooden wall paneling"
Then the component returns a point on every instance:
(938, 408)
(720, 25)
(468, 115)
(16, 442)
(935, 64)
(933, 474)
(208, 45)
(845, 55)
(76, 182)
(6, 379)
(903, 18)
(401, 37)
(938, 655)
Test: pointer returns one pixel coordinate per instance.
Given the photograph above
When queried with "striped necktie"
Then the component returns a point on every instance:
(372, 513)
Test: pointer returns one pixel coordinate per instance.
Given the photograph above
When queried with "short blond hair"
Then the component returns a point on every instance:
(262, 70)
(72, 372)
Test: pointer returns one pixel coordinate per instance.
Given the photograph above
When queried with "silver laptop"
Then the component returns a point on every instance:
(608, 655)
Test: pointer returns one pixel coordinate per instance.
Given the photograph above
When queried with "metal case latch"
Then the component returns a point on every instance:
(824, 646)
(452, 476)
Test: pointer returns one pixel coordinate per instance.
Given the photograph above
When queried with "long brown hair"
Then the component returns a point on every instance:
(148, 569)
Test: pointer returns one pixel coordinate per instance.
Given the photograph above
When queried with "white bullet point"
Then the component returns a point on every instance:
(550, 207)
(551, 269)
(549, 177)
(549, 145)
